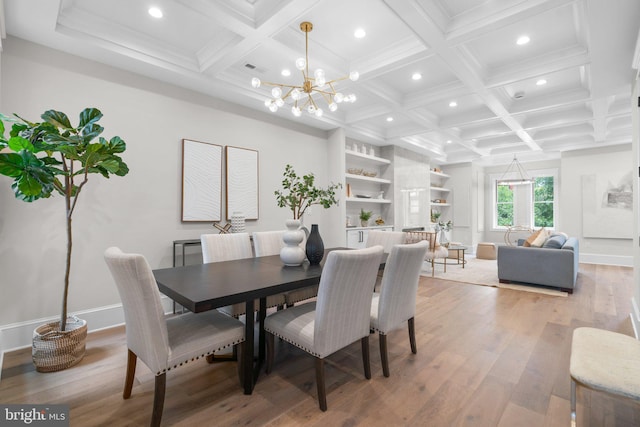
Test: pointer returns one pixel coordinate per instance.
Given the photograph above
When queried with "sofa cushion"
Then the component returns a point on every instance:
(532, 238)
(555, 242)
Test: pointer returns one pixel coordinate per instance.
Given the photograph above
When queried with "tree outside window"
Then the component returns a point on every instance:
(504, 205)
(543, 202)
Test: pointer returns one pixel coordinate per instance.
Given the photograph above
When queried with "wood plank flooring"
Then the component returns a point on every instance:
(486, 357)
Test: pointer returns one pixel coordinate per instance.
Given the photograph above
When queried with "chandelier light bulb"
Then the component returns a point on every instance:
(319, 73)
(301, 63)
(319, 112)
(320, 83)
(339, 97)
(295, 94)
(296, 111)
(267, 102)
(279, 102)
(273, 107)
(354, 75)
(333, 107)
(255, 82)
(276, 92)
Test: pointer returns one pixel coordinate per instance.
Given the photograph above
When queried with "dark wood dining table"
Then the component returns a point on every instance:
(205, 287)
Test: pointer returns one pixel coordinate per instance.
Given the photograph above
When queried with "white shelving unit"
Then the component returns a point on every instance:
(439, 192)
(366, 192)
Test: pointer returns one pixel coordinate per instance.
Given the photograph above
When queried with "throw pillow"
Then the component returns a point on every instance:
(542, 237)
(555, 242)
(560, 233)
(532, 238)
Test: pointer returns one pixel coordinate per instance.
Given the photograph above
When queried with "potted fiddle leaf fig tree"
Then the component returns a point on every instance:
(55, 157)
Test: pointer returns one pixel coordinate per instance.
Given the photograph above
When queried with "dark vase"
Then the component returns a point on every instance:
(314, 247)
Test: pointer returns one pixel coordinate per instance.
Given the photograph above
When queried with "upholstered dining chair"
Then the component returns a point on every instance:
(228, 247)
(386, 239)
(604, 361)
(435, 251)
(396, 302)
(339, 316)
(267, 243)
(163, 343)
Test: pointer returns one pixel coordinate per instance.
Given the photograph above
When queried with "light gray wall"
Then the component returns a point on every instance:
(410, 171)
(140, 212)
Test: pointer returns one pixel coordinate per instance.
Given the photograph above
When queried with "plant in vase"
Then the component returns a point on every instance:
(443, 227)
(56, 157)
(298, 194)
(364, 217)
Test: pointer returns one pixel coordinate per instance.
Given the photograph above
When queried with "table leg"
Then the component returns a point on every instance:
(262, 314)
(462, 258)
(248, 347)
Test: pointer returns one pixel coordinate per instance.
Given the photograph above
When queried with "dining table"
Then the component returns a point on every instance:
(203, 287)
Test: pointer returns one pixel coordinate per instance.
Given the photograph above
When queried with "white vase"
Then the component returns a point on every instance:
(292, 254)
(237, 222)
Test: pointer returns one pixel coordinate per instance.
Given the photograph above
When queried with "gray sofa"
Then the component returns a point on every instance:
(545, 266)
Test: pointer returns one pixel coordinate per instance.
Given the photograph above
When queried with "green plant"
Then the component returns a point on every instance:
(300, 192)
(365, 215)
(54, 156)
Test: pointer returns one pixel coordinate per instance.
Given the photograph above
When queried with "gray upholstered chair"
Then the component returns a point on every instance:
(163, 343)
(267, 243)
(228, 247)
(339, 316)
(435, 251)
(604, 361)
(386, 239)
(396, 302)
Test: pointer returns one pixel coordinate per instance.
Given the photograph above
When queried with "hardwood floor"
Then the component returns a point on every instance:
(486, 357)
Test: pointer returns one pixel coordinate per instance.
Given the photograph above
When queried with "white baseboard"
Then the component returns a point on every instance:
(621, 260)
(635, 317)
(19, 335)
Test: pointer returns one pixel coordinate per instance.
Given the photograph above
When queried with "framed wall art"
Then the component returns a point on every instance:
(242, 182)
(201, 181)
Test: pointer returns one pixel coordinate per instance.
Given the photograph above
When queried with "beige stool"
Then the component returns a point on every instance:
(486, 251)
(604, 361)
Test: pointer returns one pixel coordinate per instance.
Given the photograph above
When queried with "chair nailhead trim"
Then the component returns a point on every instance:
(313, 353)
(197, 357)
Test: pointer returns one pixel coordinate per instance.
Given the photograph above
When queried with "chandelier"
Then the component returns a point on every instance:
(515, 169)
(303, 95)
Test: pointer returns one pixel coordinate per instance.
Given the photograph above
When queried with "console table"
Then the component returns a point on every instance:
(183, 244)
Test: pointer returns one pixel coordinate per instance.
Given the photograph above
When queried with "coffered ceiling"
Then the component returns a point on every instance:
(466, 52)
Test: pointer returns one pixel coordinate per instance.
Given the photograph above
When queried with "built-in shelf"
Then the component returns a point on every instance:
(367, 158)
(443, 175)
(367, 178)
(440, 204)
(363, 200)
(444, 190)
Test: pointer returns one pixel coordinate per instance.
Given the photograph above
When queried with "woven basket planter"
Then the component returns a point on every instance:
(55, 350)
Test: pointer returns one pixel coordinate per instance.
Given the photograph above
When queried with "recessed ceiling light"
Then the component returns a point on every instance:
(155, 12)
(389, 119)
(285, 72)
(453, 104)
(416, 76)
(523, 40)
(359, 33)
(448, 141)
(541, 82)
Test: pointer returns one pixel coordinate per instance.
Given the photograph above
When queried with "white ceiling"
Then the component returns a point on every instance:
(465, 50)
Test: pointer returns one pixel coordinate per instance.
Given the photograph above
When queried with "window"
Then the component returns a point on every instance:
(531, 205)
(504, 205)
(543, 201)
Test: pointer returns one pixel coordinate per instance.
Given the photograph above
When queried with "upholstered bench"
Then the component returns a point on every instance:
(486, 251)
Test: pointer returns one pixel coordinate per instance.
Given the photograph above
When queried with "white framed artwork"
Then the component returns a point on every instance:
(607, 205)
(201, 181)
(242, 182)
